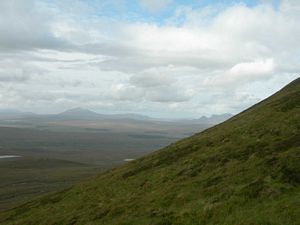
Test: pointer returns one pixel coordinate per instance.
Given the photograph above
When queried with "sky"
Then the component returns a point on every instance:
(161, 58)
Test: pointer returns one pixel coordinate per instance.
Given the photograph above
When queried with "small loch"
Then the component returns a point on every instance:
(9, 156)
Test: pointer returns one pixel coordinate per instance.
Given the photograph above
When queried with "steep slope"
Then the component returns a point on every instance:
(243, 171)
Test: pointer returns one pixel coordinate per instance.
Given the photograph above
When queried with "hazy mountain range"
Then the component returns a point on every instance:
(86, 114)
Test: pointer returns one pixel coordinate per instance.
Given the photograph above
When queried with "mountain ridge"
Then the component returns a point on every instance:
(79, 113)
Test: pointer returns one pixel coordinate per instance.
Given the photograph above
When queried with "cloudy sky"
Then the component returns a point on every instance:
(163, 58)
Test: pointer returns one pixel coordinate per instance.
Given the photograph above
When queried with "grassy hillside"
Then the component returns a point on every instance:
(243, 171)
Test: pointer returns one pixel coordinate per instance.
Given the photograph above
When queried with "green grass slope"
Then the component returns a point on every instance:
(245, 171)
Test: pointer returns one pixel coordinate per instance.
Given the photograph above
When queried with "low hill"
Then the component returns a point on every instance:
(243, 171)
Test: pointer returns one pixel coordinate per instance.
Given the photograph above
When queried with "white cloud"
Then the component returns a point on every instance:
(248, 71)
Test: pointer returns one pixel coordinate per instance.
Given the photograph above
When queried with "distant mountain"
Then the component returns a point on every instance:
(210, 120)
(86, 114)
(243, 171)
(82, 113)
(78, 113)
(214, 119)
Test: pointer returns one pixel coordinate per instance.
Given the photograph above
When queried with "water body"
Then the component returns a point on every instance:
(128, 160)
(9, 156)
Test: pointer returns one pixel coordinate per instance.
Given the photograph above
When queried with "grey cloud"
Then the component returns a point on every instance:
(153, 85)
(14, 76)
(111, 48)
(167, 95)
(51, 97)
(126, 93)
(152, 78)
(17, 72)
(25, 27)
(163, 94)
